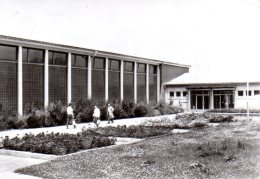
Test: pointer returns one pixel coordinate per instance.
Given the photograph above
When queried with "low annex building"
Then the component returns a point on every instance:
(193, 93)
(35, 72)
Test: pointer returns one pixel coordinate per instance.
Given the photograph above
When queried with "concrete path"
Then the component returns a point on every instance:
(71, 130)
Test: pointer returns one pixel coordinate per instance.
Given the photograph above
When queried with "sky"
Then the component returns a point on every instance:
(218, 38)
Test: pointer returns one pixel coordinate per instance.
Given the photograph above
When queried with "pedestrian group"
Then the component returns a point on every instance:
(96, 115)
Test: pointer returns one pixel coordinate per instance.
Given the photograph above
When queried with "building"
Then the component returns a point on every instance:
(40, 72)
(202, 94)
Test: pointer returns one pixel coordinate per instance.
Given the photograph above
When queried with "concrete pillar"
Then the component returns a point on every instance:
(147, 83)
(189, 101)
(135, 82)
(122, 80)
(211, 100)
(158, 83)
(20, 81)
(106, 79)
(46, 79)
(89, 77)
(69, 94)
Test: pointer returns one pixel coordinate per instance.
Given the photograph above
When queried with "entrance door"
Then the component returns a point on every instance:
(199, 102)
(217, 102)
(206, 102)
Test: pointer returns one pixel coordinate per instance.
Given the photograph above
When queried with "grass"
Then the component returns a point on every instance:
(230, 150)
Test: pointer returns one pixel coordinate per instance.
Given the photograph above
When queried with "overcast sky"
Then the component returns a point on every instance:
(217, 37)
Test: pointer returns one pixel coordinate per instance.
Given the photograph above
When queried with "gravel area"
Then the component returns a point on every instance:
(229, 150)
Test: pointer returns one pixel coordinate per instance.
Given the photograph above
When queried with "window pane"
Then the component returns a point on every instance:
(141, 88)
(36, 56)
(8, 53)
(185, 93)
(256, 92)
(58, 58)
(249, 93)
(153, 69)
(178, 93)
(8, 85)
(25, 55)
(240, 93)
(171, 93)
(114, 65)
(50, 57)
(129, 66)
(81, 61)
(73, 60)
(98, 63)
(141, 68)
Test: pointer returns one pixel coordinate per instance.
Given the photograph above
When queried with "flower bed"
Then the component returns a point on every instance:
(131, 131)
(56, 143)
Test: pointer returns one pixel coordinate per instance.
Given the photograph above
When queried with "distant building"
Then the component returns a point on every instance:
(194, 94)
(35, 72)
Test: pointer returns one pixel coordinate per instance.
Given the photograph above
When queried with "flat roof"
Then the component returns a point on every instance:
(189, 79)
(73, 49)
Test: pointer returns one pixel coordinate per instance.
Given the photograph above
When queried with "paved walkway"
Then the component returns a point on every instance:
(71, 130)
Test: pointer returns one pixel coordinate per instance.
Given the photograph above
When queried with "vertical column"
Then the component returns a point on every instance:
(158, 82)
(46, 79)
(135, 82)
(89, 77)
(247, 99)
(211, 100)
(69, 79)
(147, 83)
(122, 80)
(20, 81)
(106, 79)
(189, 100)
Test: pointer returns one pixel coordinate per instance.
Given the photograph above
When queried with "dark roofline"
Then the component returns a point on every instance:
(91, 51)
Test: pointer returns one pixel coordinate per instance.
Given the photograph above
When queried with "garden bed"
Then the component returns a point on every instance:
(56, 143)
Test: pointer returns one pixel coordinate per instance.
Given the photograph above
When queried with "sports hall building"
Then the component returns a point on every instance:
(35, 72)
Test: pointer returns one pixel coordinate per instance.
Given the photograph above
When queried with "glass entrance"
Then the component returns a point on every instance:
(223, 99)
(200, 99)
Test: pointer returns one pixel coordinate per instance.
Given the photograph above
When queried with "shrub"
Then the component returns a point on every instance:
(166, 109)
(56, 143)
(131, 131)
(141, 110)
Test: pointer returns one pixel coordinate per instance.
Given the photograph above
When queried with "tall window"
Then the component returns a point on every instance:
(141, 82)
(79, 77)
(8, 77)
(98, 78)
(33, 77)
(153, 83)
(57, 76)
(113, 79)
(129, 81)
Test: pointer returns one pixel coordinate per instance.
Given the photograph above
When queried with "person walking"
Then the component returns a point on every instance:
(70, 116)
(96, 115)
(110, 113)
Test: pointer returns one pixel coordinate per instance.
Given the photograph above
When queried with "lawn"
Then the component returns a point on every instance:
(229, 150)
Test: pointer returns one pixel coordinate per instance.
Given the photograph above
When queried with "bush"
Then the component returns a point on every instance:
(166, 109)
(141, 110)
(56, 143)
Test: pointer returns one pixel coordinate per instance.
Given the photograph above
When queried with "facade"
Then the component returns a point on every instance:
(34, 72)
(213, 95)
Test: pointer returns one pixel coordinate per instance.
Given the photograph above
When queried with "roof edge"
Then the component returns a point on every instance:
(89, 51)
